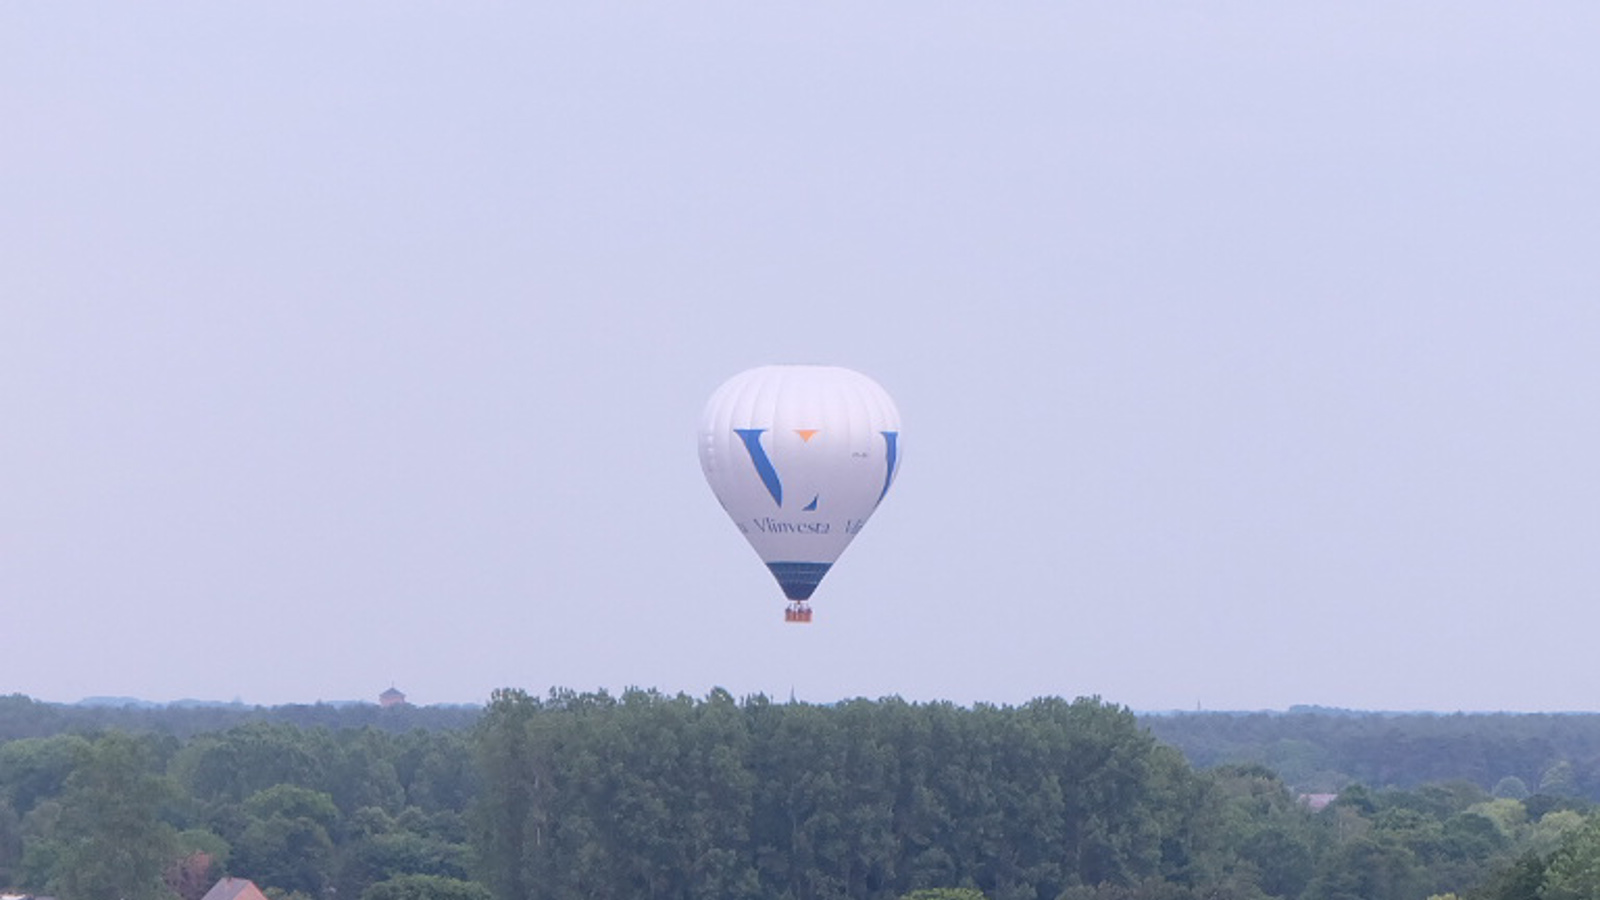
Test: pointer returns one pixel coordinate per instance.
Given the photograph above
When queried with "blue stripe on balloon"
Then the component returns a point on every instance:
(891, 438)
(758, 455)
(798, 579)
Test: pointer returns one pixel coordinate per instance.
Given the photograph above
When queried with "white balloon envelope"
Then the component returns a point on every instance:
(800, 456)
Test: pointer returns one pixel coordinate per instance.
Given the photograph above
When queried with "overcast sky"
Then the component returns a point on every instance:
(1247, 352)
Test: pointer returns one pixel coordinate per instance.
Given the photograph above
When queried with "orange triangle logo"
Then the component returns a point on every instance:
(806, 434)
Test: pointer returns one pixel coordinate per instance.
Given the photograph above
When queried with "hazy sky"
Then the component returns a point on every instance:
(1247, 352)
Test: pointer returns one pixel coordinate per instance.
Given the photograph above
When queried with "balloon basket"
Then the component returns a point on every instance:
(797, 613)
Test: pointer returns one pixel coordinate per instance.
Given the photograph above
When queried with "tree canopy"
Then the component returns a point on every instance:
(668, 796)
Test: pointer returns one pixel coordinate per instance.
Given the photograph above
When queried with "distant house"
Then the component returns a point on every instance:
(234, 889)
(391, 697)
(1318, 802)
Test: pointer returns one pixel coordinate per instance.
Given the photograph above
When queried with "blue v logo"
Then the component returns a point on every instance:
(769, 473)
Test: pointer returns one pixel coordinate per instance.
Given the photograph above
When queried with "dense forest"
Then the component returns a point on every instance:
(655, 796)
(1321, 750)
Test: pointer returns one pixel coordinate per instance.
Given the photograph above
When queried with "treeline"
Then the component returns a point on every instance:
(671, 797)
(22, 717)
(1313, 749)
(1317, 750)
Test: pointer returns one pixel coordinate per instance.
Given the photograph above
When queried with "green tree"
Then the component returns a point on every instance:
(113, 844)
(248, 759)
(35, 769)
(1370, 868)
(1559, 780)
(41, 850)
(1508, 815)
(511, 817)
(362, 771)
(1273, 834)
(378, 847)
(438, 771)
(1573, 872)
(288, 842)
(1552, 830)
(1523, 879)
(10, 842)
(1511, 787)
(426, 887)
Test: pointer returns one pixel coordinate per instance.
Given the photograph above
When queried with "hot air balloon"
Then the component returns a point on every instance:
(800, 456)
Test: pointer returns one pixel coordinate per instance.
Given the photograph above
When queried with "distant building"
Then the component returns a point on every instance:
(234, 889)
(388, 698)
(1315, 802)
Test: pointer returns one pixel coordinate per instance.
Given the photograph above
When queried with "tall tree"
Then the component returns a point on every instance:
(113, 843)
(511, 817)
